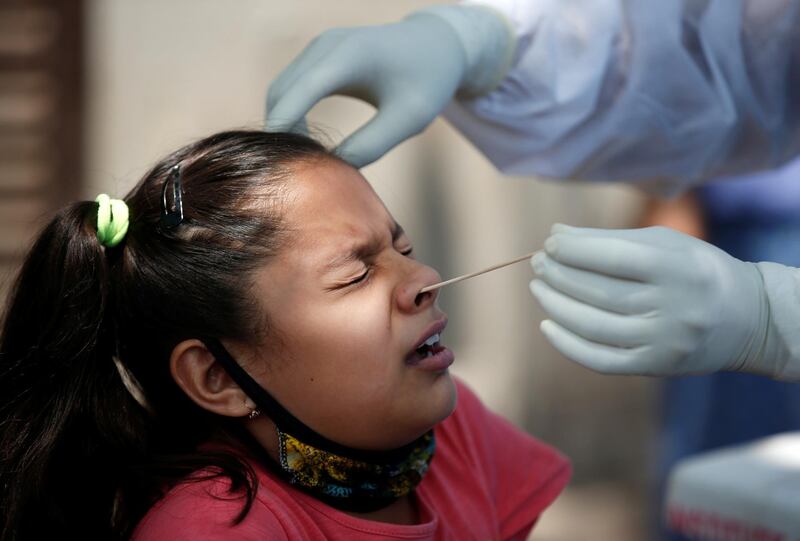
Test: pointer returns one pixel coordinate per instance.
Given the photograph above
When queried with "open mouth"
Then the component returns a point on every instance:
(428, 348)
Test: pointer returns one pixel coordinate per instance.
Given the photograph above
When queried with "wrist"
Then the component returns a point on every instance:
(752, 355)
(780, 354)
(487, 39)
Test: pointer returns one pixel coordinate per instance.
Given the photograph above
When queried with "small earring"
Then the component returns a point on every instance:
(253, 413)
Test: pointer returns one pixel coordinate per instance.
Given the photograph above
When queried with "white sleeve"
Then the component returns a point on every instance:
(780, 355)
(666, 93)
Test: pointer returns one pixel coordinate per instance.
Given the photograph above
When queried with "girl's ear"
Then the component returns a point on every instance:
(205, 381)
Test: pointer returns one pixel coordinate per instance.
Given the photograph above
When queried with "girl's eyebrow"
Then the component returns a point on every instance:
(397, 231)
(362, 251)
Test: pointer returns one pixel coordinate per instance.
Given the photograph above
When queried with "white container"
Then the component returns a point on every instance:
(743, 493)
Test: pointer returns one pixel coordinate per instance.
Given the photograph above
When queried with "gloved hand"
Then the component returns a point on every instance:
(409, 70)
(651, 301)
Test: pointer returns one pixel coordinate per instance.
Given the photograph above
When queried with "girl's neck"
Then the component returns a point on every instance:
(402, 511)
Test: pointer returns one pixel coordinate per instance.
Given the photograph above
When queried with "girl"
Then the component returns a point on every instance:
(239, 350)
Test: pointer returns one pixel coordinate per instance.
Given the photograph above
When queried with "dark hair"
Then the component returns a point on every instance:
(78, 455)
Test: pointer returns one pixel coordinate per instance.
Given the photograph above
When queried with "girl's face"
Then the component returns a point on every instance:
(342, 299)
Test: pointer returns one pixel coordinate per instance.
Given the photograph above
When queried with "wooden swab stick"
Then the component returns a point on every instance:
(464, 277)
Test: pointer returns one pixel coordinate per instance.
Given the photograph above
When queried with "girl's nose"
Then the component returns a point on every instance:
(409, 299)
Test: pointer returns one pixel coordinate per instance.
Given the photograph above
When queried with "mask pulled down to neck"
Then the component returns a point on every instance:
(343, 477)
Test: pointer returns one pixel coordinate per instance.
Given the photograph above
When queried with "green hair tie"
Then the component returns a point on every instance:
(112, 220)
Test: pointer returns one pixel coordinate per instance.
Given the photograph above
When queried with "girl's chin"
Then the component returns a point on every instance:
(452, 393)
(434, 406)
(440, 399)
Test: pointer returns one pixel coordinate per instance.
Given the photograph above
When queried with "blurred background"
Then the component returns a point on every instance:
(93, 92)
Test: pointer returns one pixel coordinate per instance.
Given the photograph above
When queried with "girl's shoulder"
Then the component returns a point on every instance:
(207, 509)
(484, 462)
(473, 425)
(485, 438)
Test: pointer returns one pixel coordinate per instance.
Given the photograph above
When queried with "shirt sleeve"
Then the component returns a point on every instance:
(666, 94)
(524, 474)
(205, 511)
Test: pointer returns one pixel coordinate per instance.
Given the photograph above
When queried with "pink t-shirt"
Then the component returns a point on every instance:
(488, 480)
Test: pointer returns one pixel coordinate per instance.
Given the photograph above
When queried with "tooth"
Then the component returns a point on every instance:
(432, 340)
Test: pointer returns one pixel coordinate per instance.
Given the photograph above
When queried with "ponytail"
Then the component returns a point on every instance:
(79, 457)
(64, 412)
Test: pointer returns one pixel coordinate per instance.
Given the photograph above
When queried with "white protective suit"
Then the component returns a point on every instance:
(594, 81)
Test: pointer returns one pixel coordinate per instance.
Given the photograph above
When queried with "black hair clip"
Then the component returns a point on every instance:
(171, 217)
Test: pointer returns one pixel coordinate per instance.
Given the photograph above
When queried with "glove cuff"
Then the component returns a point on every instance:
(779, 354)
(757, 314)
(488, 40)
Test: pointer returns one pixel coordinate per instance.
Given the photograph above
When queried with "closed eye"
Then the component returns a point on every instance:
(359, 279)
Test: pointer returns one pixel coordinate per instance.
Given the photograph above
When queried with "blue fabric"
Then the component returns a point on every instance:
(756, 219)
(767, 197)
